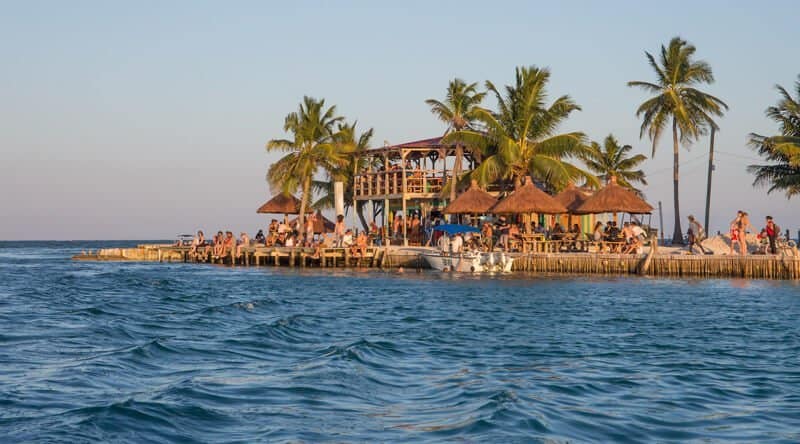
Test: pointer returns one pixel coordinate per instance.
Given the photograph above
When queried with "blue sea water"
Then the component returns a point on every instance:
(148, 352)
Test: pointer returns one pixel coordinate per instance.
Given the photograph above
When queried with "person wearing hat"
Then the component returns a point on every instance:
(696, 235)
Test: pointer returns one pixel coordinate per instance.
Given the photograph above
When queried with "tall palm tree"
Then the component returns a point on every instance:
(783, 151)
(521, 138)
(610, 159)
(677, 99)
(349, 141)
(312, 147)
(458, 111)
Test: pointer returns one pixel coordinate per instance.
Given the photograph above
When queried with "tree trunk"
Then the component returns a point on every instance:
(301, 219)
(677, 234)
(456, 171)
(360, 213)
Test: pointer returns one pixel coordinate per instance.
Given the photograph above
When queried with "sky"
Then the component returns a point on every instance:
(144, 120)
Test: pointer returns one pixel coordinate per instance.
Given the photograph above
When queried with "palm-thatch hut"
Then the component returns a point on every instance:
(321, 223)
(614, 198)
(529, 199)
(281, 203)
(472, 201)
(572, 197)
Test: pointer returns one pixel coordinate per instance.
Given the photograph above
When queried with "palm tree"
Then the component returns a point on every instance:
(610, 159)
(346, 137)
(676, 98)
(458, 111)
(520, 138)
(312, 147)
(782, 150)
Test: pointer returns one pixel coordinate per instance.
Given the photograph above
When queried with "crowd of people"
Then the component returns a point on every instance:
(501, 234)
(740, 226)
(282, 234)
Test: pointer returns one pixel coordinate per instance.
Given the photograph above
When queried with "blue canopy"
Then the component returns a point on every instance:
(452, 229)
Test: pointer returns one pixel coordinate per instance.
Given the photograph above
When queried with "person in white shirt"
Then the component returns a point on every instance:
(443, 243)
(347, 239)
(457, 243)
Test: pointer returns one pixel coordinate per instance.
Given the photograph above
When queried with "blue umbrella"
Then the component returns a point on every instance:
(452, 229)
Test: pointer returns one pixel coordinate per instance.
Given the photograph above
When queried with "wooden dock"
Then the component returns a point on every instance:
(665, 265)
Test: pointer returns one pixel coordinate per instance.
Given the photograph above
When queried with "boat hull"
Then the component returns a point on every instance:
(469, 262)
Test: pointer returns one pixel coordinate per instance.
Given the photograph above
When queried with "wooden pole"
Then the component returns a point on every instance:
(661, 221)
(708, 186)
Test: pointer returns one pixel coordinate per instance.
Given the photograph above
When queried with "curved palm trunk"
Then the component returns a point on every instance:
(677, 234)
(301, 219)
(360, 213)
(456, 170)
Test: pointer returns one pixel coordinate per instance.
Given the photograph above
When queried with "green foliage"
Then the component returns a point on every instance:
(459, 111)
(313, 146)
(610, 159)
(678, 102)
(676, 96)
(783, 150)
(521, 137)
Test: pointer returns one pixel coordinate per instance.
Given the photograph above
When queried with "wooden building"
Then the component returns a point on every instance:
(406, 178)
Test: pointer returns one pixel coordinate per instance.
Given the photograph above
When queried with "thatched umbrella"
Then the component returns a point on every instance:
(614, 198)
(282, 203)
(472, 201)
(571, 198)
(321, 223)
(529, 199)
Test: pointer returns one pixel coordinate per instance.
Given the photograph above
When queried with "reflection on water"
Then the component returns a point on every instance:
(174, 352)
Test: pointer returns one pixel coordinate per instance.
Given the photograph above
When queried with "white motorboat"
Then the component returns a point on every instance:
(469, 262)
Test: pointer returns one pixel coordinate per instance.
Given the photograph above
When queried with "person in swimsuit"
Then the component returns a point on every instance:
(244, 241)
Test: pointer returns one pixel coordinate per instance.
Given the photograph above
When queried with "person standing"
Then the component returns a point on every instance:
(772, 234)
(504, 229)
(339, 230)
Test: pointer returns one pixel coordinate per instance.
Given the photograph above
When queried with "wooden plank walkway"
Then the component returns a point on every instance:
(717, 266)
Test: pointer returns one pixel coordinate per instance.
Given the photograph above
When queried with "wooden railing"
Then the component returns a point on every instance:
(384, 183)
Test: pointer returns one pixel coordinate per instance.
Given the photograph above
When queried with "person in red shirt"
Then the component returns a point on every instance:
(772, 232)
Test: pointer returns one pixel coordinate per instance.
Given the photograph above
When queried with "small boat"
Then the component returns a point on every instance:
(469, 262)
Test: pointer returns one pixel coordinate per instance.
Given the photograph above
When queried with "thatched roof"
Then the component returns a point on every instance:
(614, 198)
(529, 199)
(321, 223)
(571, 198)
(281, 204)
(472, 201)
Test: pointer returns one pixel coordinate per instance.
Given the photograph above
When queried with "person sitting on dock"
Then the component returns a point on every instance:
(198, 241)
(228, 244)
(260, 239)
(346, 241)
(359, 249)
(244, 242)
(273, 226)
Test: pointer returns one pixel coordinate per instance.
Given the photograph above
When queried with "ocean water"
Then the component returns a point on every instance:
(129, 352)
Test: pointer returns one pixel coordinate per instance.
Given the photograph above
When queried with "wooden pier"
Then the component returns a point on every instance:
(664, 265)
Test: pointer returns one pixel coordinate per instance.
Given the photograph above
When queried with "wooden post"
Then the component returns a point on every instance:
(708, 186)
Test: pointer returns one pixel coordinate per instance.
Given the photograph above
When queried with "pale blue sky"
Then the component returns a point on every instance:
(144, 120)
